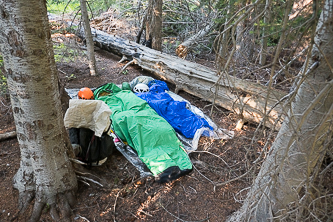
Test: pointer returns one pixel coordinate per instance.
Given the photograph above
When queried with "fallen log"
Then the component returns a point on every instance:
(184, 47)
(8, 135)
(245, 98)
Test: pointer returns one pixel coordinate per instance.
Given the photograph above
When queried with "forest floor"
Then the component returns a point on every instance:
(124, 195)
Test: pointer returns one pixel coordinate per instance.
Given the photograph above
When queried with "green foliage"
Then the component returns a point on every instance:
(3, 78)
(58, 6)
(72, 6)
(63, 53)
(70, 77)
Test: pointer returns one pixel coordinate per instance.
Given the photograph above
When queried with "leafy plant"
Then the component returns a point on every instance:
(72, 76)
(63, 53)
(3, 78)
(59, 7)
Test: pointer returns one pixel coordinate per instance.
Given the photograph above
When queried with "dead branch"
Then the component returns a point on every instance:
(8, 135)
(125, 66)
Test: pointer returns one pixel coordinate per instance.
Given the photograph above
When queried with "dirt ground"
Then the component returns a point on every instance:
(124, 195)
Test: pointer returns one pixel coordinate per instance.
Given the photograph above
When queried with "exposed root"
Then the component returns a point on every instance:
(125, 66)
(124, 58)
(59, 205)
(25, 200)
(85, 179)
(8, 135)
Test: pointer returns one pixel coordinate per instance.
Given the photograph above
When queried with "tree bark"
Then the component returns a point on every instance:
(223, 42)
(244, 41)
(263, 43)
(286, 183)
(154, 24)
(245, 98)
(45, 172)
(89, 38)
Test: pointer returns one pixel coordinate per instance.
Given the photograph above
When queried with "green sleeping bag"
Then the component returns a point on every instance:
(153, 138)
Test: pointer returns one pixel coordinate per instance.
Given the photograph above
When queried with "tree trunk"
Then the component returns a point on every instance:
(223, 42)
(154, 24)
(245, 98)
(89, 38)
(263, 43)
(244, 42)
(285, 184)
(45, 171)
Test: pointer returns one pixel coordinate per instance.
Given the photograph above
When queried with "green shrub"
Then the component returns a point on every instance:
(3, 78)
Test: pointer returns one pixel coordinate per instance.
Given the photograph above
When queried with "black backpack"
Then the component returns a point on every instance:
(93, 148)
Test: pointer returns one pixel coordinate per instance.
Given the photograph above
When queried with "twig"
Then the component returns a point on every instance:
(206, 219)
(205, 177)
(8, 135)
(286, 66)
(62, 72)
(91, 180)
(83, 218)
(4, 154)
(86, 183)
(234, 179)
(326, 169)
(131, 213)
(125, 66)
(124, 58)
(196, 151)
(4, 104)
(114, 206)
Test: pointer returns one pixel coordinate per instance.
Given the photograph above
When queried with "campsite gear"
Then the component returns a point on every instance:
(149, 134)
(141, 88)
(90, 114)
(140, 79)
(88, 121)
(125, 86)
(130, 154)
(176, 113)
(94, 149)
(85, 93)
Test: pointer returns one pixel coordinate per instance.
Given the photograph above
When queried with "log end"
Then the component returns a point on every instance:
(181, 51)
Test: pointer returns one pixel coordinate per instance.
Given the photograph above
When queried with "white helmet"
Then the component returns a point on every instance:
(140, 88)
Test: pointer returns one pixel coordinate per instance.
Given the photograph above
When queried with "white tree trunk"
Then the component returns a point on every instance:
(285, 181)
(89, 38)
(45, 170)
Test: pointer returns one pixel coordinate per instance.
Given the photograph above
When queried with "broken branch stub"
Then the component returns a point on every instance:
(245, 98)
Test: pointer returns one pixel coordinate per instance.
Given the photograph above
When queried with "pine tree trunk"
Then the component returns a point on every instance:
(45, 172)
(263, 44)
(154, 24)
(245, 43)
(222, 44)
(285, 181)
(89, 38)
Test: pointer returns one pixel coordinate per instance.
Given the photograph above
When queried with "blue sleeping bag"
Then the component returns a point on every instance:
(179, 117)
